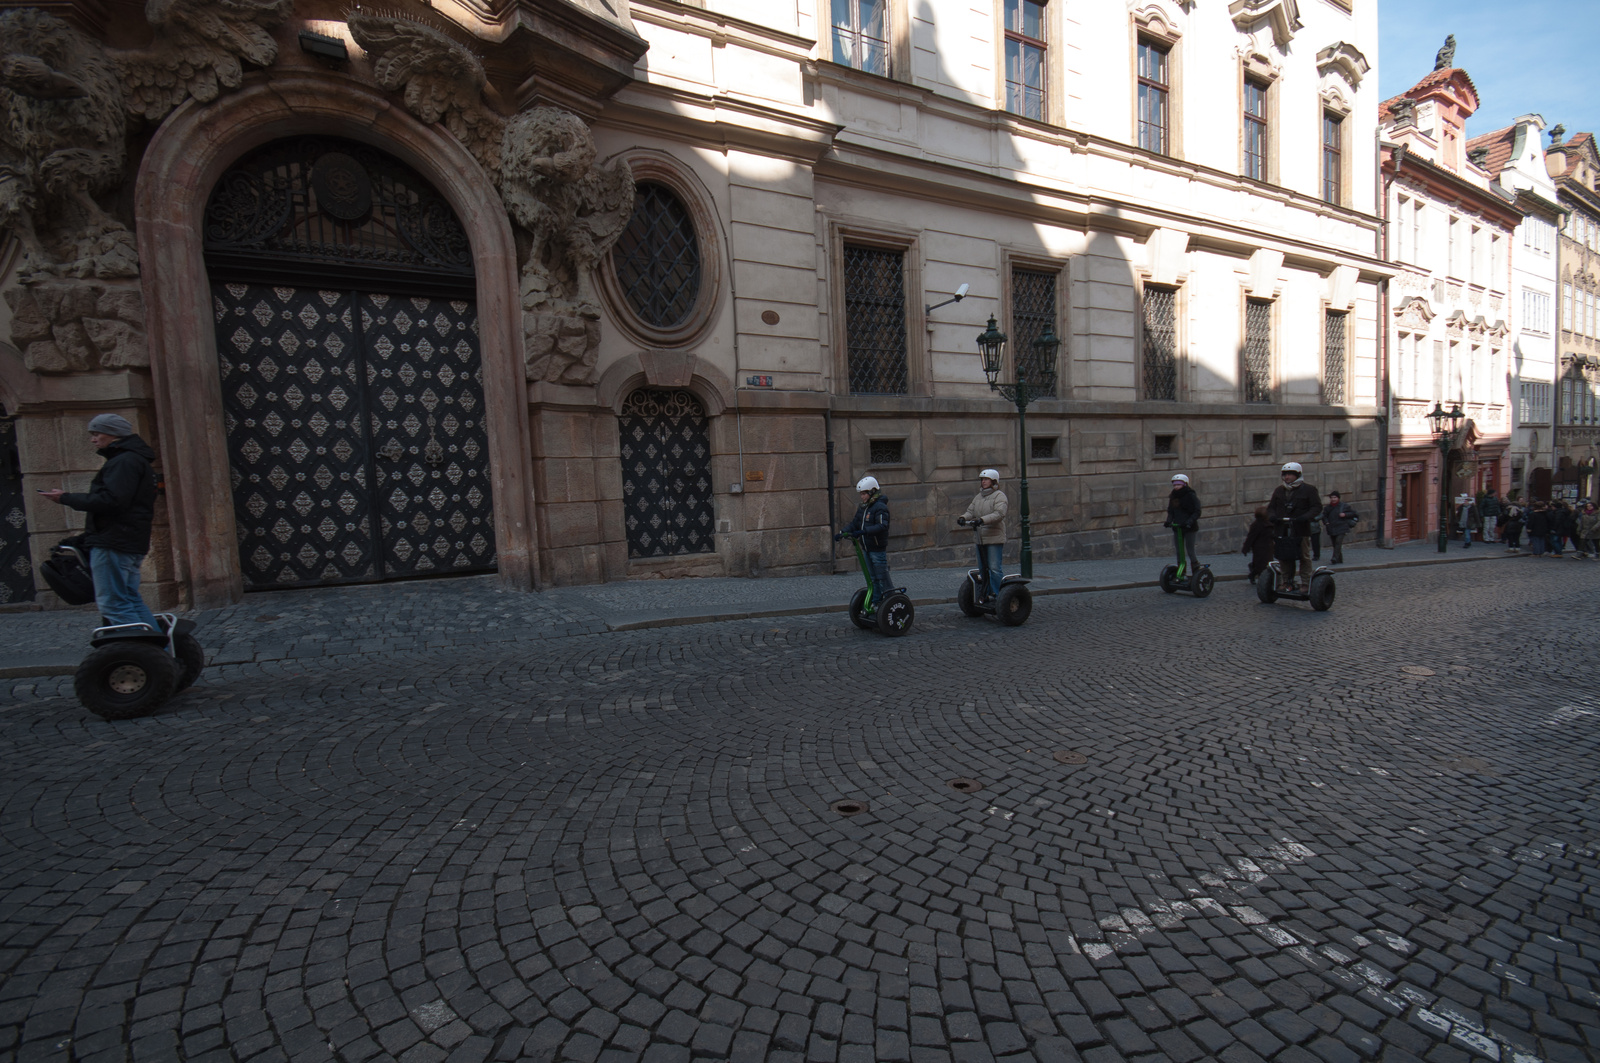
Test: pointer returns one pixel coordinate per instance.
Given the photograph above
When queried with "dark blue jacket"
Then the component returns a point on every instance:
(121, 500)
(872, 521)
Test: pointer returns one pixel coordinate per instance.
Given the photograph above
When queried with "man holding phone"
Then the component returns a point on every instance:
(120, 503)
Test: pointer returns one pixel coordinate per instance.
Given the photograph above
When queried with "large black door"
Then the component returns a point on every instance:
(351, 373)
(666, 474)
(355, 434)
(16, 561)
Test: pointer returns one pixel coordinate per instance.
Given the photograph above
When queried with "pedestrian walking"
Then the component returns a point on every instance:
(1538, 528)
(1515, 516)
(1490, 509)
(988, 508)
(1183, 517)
(1296, 504)
(1565, 529)
(121, 504)
(1589, 532)
(1258, 543)
(1464, 510)
(1338, 519)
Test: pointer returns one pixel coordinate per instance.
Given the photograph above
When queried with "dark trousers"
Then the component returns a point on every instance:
(1338, 547)
(1316, 543)
(878, 562)
(1513, 535)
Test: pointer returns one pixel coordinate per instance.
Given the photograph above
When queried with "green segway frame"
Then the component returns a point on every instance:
(892, 616)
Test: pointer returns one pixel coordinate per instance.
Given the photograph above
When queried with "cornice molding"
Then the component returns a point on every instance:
(1345, 60)
(1283, 14)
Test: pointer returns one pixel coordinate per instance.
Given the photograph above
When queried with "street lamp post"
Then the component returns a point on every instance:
(992, 347)
(1443, 435)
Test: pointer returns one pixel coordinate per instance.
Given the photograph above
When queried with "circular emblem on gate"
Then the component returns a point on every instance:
(342, 186)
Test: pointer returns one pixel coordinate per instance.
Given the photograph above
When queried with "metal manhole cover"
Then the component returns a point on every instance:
(1069, 756)
(1472, 764)
(966, 786)
(1416, 669)
(848, 808)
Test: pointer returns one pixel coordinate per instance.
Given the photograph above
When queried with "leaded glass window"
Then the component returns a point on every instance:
(1160, 343)
(1257, 350)
(1033, 306)
(657, 258)
(1335, 336)
(875, 320)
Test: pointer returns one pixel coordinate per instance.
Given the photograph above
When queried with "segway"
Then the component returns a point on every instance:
(1197, 582)
(1286, 550)
(892, 616)
(1011, 606)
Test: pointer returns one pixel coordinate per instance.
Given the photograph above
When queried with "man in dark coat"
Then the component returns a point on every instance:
(121, 505)
(1296, 503)
(1338, 519)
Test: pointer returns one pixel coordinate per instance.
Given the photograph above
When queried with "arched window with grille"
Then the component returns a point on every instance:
(657, 258)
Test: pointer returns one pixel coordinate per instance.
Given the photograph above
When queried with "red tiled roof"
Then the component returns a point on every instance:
(1432, 80)
(1571, 150)
(1499, 143)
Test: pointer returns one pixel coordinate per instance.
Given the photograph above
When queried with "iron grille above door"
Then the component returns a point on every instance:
(355, 431)
(666, 474)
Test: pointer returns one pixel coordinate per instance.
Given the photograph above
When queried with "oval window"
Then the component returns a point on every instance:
(657, 258)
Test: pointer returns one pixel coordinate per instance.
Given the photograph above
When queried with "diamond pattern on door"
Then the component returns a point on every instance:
(666, 475)
(330, 398)
(16, 561)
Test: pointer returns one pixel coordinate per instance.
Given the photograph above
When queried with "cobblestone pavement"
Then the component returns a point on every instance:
(1365, 834)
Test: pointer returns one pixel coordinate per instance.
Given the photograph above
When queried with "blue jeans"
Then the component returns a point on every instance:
(878, 564)
(990, 555)
(116, 587)
(1536, 545)
(1466, 535)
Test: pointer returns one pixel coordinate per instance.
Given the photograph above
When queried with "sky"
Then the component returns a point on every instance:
(1524, 56)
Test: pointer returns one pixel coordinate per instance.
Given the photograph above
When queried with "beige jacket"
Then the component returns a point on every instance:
(990, 507)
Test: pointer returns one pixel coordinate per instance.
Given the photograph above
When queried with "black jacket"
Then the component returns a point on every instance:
(1339, 518)
(1183, 509)
(1490, 506)
(1539, 523)
(1299, 503)
(872, 521)
(1566, 522)
(121, 500)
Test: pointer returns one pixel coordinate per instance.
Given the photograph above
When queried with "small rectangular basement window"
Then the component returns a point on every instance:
(1166, 446)
(888, 452)
(1341, 441)
(1043, 449)
(1260, 442)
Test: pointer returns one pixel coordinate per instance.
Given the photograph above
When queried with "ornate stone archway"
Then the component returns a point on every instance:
(184, 160)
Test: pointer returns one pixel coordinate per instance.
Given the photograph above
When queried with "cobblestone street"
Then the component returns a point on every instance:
(1364, 834)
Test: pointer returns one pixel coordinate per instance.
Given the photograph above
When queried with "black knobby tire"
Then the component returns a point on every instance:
(1267, 586)
(895, 615)
(856, 616)
(125, 679)
(1322, 592)
(1201, 583)
(1014, 605)
(191, 661)
(1168, 577)
(966, 600)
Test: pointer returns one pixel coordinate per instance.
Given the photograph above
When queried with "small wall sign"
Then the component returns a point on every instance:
(760, 380)
(754, 476)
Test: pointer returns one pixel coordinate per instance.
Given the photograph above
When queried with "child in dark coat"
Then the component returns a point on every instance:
(1258, 543)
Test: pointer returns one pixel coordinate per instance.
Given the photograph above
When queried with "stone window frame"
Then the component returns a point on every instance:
(1274, 304)
(661, 168)
(1253, 66)
(1180, 337)
(1010, 260)
(1332, 104)
(1153, 25)
(908, 242)
(1348, 383)
(1053, 86)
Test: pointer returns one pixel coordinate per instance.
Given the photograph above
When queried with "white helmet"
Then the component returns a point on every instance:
(1180, 478)
(1293, 466)
(989, 474)
(867, 483)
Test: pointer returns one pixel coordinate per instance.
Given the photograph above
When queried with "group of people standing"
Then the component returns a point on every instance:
(1551, 527)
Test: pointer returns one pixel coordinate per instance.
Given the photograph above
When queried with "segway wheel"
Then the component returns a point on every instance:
(1201, 582)
(856, 616)
(191, 660)
(1267, 586)
(1322, 591)
(125, 679)
(1169, 576)
(966, 600)
(1014, 605)
(895, 615)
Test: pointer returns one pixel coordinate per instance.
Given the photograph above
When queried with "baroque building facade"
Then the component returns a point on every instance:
(1575, 166)
(580, 291)
(1450, 236)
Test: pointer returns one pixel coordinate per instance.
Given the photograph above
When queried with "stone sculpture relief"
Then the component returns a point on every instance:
(543, 162)
(64, 107)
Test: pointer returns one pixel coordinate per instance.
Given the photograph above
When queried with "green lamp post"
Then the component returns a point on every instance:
(992, 348)
(1444, 434)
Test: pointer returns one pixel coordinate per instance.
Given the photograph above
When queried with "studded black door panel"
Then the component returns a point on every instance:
(320, 388)
(16, 560)
(666, 474)
(430, 450)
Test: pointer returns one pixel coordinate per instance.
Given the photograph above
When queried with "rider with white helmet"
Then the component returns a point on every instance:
(871, 523)
(988, 509)
(1296, 504)
(1183, 517)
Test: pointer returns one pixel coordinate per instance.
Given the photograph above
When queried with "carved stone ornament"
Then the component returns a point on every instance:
(1282, 15)
(65, 326)
(199, 49)
(543, 161)
(1414, 314)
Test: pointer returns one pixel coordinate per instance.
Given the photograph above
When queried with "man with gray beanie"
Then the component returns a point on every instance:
(121, 505)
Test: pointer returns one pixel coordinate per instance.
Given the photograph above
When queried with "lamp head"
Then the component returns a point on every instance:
(991, 347)
(961, 292)
(1437, 416)
(1046, 345)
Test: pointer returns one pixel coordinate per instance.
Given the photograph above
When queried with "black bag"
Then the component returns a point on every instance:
(68, 576)
(1286, 548)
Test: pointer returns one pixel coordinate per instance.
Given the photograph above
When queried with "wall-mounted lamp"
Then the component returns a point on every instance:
(961, 293)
